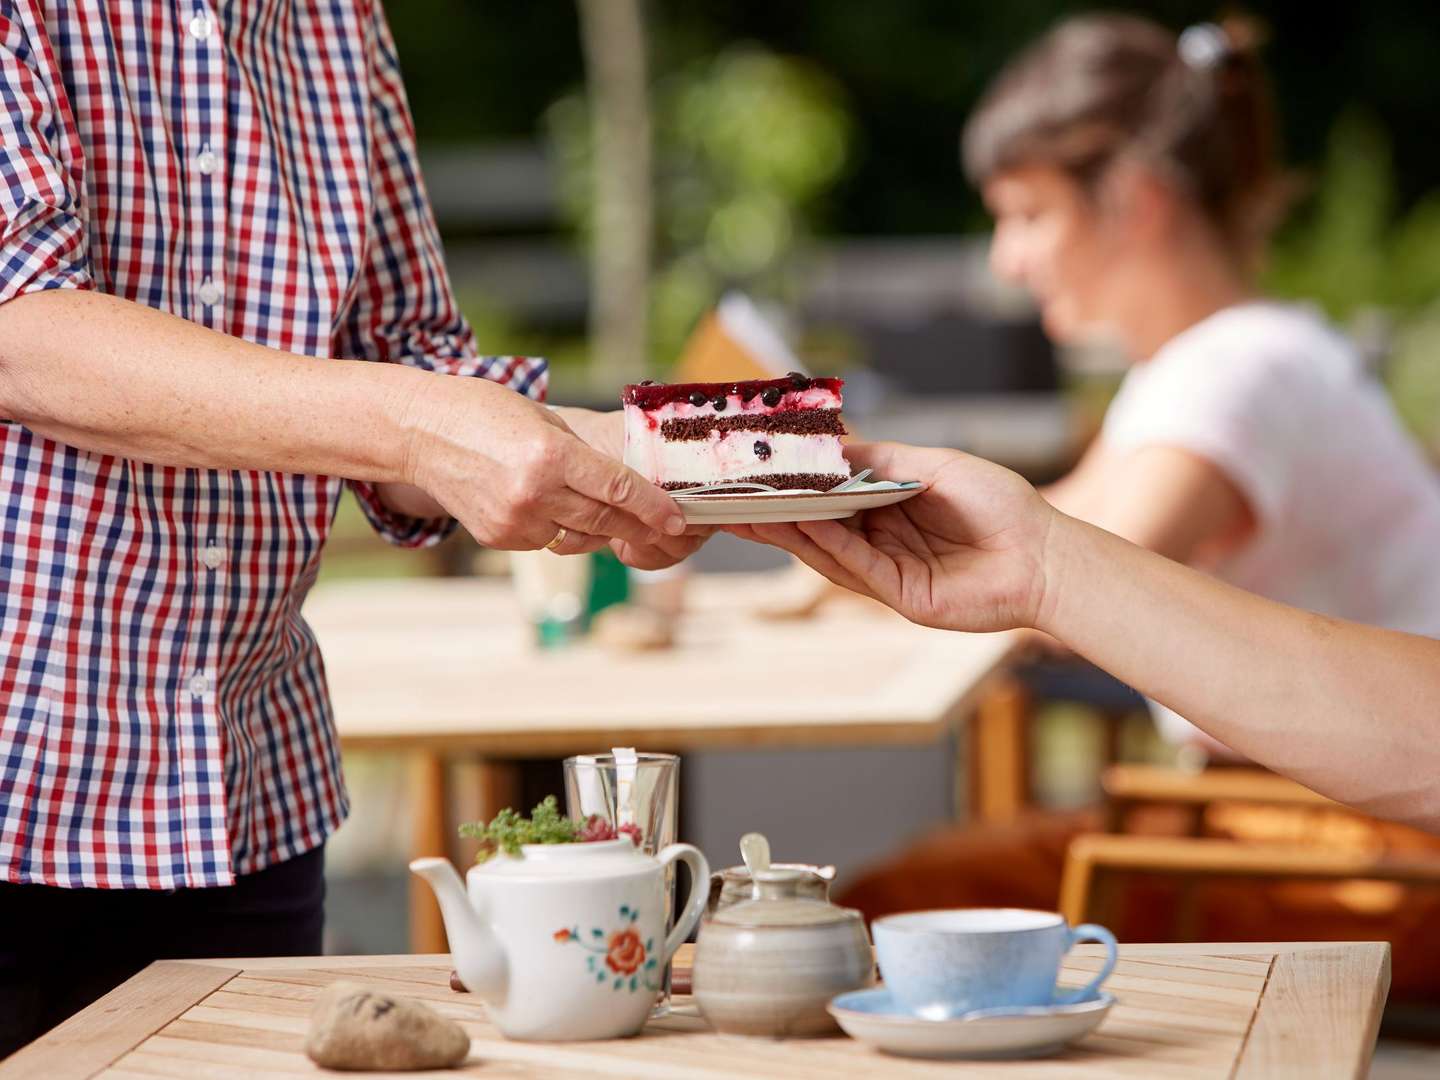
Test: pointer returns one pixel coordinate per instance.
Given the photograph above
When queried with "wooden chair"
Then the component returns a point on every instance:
(1098, 864)
(1001, 736)
(1127, 786)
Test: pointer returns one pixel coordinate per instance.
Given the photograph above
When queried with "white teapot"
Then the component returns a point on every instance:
(566, 941)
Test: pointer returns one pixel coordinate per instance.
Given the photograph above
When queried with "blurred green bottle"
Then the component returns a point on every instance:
(609, 582)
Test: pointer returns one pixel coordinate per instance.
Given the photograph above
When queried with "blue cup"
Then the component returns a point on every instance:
(939, 964)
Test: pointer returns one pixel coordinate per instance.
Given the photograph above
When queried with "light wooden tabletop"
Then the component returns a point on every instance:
(449, 663)
(1309, 1011)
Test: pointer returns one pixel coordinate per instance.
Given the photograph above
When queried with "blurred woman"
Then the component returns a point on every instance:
(1134, 181)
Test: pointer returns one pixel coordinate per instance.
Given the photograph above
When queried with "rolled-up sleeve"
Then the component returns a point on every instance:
(404, 308)
(42, 220)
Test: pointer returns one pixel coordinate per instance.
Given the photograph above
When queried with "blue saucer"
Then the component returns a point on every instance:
(879, 1001)
(875, 1017)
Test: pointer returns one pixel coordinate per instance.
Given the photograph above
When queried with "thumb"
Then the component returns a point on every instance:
(606, 480)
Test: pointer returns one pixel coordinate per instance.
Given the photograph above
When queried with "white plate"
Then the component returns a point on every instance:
(749, 507)
(873, 1017)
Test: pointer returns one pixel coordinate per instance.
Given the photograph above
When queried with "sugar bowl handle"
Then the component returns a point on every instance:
(695, 900)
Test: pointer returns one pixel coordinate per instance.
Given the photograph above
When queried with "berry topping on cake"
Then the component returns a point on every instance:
(694, 434)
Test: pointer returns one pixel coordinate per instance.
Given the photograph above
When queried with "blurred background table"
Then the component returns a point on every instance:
(440, 668)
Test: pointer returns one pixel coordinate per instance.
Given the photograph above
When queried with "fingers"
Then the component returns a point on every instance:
(578, 543)
(534, 533)
(856, 558)
(607, 481)
(803, 547)
(576, 511)
(667, 552)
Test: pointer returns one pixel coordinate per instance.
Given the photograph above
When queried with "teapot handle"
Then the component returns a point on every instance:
(695, 901)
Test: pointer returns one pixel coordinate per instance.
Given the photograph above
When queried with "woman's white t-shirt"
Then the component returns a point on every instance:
(1347, 510)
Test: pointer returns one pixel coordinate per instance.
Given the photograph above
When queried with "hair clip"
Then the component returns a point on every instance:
(1203, 46)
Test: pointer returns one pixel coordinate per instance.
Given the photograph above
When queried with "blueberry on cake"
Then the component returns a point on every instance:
(784, 433)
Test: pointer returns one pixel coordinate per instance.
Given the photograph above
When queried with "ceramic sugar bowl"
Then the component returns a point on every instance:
(566, 941)
(770, 964)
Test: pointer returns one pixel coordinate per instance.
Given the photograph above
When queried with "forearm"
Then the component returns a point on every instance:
(115, 377)
(1351, 711)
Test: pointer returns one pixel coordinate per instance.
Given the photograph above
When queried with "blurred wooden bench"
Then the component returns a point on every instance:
(1127, 786)
(1097, 864)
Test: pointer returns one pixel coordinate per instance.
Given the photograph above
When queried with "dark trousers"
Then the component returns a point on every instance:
(61, 949)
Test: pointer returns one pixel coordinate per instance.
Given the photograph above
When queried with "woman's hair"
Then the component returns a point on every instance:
(1100, 88)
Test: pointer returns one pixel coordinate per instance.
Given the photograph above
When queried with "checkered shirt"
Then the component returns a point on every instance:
(248, 165)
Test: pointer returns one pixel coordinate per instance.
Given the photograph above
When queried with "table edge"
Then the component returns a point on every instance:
(86, 1044)
(1269, 1024)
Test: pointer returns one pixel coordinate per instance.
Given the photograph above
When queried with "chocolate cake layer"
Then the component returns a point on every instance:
(790, 422)
(654, 395)
(783, 481)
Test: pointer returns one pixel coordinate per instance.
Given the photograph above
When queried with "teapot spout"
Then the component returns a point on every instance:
(479, 959)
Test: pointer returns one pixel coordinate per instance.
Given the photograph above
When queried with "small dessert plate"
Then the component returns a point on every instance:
(877, 1019)
(751, 504)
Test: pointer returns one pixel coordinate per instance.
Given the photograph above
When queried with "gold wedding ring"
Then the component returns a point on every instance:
(559, 539)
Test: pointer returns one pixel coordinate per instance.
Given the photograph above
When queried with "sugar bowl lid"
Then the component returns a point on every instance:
(777, 900)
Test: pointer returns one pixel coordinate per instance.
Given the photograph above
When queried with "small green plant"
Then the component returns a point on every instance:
(510, 829)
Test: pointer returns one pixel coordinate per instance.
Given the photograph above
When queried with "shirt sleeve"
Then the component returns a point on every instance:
(1240, 408)
(404, 308)
(42, 222)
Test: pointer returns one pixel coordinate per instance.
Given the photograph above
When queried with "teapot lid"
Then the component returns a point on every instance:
(776, 901)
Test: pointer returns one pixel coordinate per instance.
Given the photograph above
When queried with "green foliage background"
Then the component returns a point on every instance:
(781, 121)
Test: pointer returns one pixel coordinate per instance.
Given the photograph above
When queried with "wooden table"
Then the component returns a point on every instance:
(1308, 1011)
(436, 667)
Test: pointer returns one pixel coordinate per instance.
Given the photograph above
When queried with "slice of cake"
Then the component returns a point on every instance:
(781, 432)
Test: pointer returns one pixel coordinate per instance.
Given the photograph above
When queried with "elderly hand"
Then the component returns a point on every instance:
(514, 474)
(966, 554)
(605, 432)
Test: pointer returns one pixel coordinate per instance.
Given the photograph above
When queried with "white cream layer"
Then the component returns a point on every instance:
(728, 455)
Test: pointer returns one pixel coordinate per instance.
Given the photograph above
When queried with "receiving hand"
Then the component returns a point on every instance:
(514, 474)
(965, 554)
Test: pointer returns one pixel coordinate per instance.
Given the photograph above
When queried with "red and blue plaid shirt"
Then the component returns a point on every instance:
(248, 165)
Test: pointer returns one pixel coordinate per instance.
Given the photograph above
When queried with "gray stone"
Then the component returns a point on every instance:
(363, 1028)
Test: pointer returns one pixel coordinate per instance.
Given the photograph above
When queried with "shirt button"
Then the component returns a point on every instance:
(199, 685)
(200, 26)
(212, 556)
(209, 292)
(207, 161)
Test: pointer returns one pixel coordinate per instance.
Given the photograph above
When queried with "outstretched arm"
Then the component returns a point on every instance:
(1350, 711)
(114, 377)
